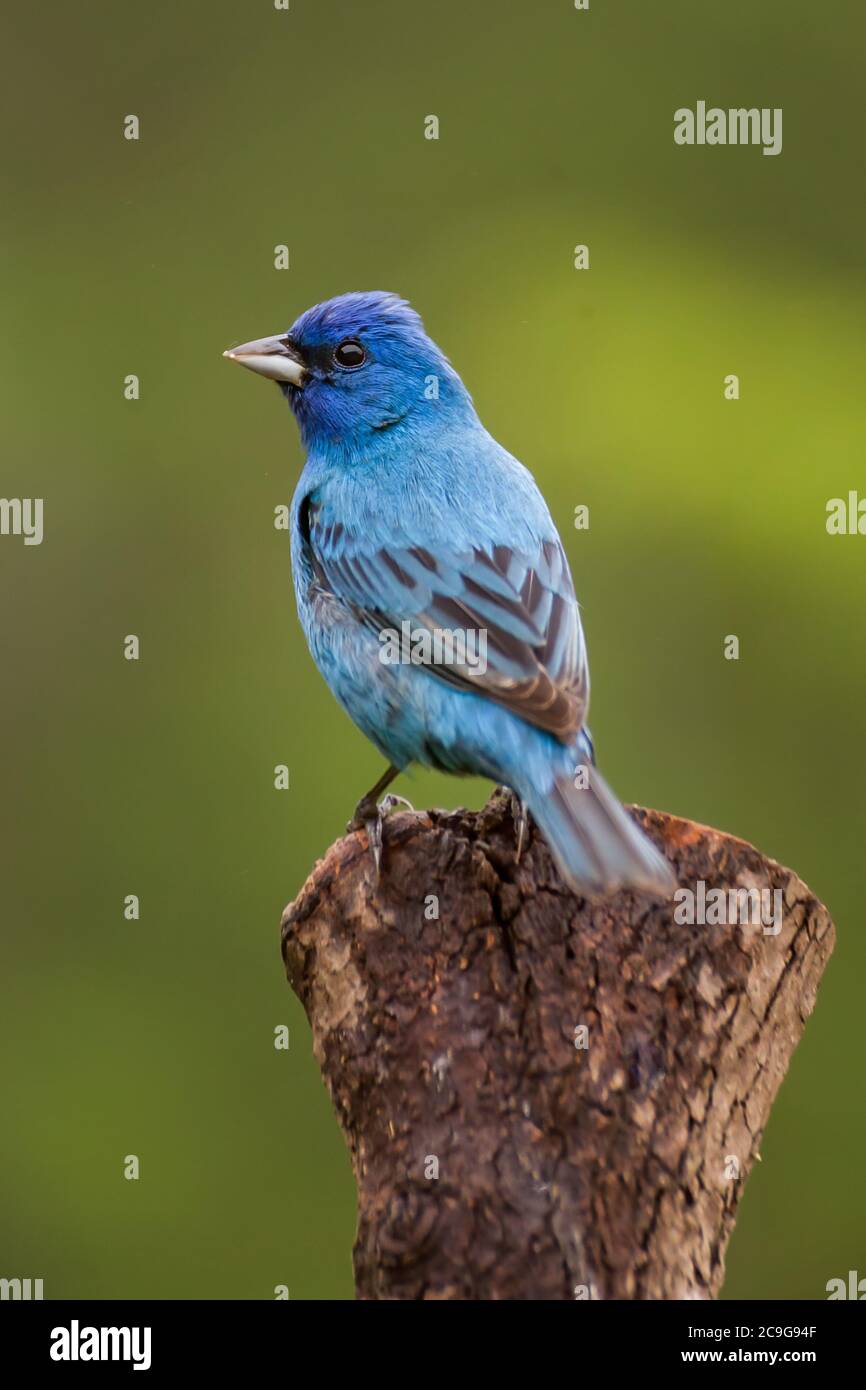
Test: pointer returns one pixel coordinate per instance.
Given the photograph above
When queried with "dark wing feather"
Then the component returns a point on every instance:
(536, 660)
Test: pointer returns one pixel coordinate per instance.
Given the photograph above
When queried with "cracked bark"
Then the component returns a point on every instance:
(611, 1170)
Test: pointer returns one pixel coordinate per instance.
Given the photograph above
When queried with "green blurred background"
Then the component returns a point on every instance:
(261, 127)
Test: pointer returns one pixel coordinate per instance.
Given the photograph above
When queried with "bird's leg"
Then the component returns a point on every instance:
(369, 812)
(368, 806)
(521, 822)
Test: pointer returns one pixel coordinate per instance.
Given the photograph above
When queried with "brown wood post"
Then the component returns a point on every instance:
(545, 1097)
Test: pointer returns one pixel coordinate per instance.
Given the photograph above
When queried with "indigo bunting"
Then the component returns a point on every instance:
(433, 588)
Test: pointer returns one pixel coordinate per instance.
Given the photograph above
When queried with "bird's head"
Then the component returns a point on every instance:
(356, 365)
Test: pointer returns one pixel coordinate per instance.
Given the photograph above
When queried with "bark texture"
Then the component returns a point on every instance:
(500, 1151)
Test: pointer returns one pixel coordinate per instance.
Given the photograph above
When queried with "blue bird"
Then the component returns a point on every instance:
(433, 588)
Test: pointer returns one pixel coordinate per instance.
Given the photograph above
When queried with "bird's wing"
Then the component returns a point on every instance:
(535, 655)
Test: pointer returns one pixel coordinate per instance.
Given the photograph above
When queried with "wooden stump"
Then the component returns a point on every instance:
(543, 1096)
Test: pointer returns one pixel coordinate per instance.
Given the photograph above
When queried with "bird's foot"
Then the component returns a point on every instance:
(390, 803)
(369, 816)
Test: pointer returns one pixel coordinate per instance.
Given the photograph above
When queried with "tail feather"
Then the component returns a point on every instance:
(596, 844)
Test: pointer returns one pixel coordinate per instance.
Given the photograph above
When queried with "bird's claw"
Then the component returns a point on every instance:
(521, 823)
(369, 816)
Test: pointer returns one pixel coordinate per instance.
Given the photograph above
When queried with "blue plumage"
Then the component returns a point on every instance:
(409, 518)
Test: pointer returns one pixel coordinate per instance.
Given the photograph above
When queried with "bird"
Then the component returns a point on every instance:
(410, 522)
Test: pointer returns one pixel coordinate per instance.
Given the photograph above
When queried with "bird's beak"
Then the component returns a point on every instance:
(273, 357)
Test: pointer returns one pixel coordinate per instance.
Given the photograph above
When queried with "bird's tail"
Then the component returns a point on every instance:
(596, 844)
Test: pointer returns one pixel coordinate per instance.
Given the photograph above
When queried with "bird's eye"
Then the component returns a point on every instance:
(350, 354)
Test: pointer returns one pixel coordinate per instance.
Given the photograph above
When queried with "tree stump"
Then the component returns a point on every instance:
(544, 1096)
